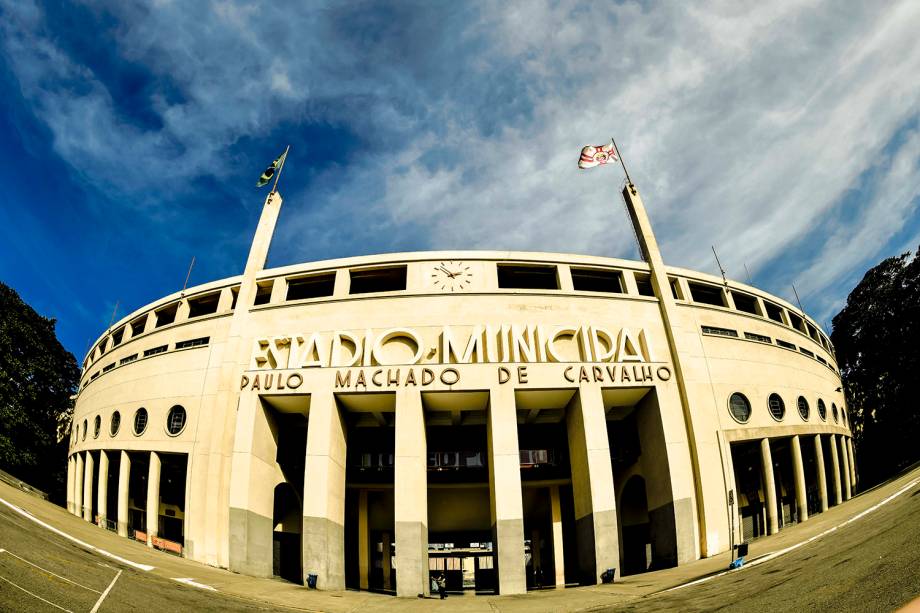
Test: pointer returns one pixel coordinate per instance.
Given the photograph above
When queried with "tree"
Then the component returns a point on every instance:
(37, 378)
(877, 340)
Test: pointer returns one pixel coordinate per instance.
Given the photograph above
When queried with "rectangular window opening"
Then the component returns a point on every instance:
(774, 312)
(807, 352)
(195, 342)
(234, 293)
(745, 303)
(203, 305)
(758, 337)
(644, 284)
(167, 314)
(720, 331)
(117, 335)
(102, 346)
(369, 281)
(108, 367)
(263, 292)
(138, 325)
(155, 350)
(313, 286)
(515, 276)
(597, 280)
(707, 294)
(675, 288)
(813, 333)
(783, 343)
(797, 322)
(127, 360)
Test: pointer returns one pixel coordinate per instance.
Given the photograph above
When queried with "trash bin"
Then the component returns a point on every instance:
(311, 581)
(608, 575)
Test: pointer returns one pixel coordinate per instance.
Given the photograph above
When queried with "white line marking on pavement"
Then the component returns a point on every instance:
(28, 515)
(105, 593)
(776, 554)
(34, 595)
(45, 570)
(193, 583)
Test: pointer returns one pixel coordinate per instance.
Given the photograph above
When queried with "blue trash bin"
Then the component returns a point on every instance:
(608, 575)
(311, 582)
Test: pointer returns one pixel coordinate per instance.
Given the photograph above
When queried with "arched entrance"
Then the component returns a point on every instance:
(636, 556)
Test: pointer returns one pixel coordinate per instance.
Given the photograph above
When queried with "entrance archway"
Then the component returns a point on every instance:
(636, 556)
(287, 519)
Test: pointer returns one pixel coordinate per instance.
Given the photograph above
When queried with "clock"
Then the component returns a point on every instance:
(451, 276)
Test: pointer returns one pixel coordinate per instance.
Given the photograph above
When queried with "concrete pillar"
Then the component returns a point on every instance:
(71, 473)
(835, 465)
(88, 487)
(102, 495)
(822, 474)
(852, 463)
(596, 527)
(769, 486)
(78, 485)
(124, 478)
(153, 497)
(324, 494)
(364, 542)
(798, 469)
(558, 554)
(253, 476)
(505, 484)
(845, 468)
(387, 561)
(411, 495)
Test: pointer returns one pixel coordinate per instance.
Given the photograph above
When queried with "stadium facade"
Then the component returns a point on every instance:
(511, 420)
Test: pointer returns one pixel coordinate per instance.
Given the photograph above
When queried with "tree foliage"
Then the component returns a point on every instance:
(877, 340)
(37, 378)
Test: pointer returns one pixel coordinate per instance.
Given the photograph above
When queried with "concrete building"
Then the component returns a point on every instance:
(509, 420)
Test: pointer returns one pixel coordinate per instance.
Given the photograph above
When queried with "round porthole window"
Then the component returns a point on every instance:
(739, 407)
(140, 421)
(777, 407)
(85, 428)
(116, 423)
(97, 426)
(175, 421)
(834, 411)
(803, 408)
(822, 410)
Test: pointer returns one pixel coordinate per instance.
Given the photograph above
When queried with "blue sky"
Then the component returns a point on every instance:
(131, 135)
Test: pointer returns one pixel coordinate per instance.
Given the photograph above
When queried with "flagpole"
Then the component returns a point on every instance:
(622, 163)
(280, 168)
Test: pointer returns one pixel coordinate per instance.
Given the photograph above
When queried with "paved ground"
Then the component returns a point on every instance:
(868, 564)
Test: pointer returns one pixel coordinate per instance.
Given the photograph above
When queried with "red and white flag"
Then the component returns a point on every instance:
(598, 155)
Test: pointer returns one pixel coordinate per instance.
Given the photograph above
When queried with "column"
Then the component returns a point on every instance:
(324, 494)
(852, 463)
(124, 477)
(102, 490)
(835, 465)
(822, 475)
(88, 487)
(153, 497)
(411, 495)
(71, 473)
(596, 527)
(507, 508)
(558, 555)
(78, 485)
(845, 468)
(798, 468)
(769, 485)
(364, 542)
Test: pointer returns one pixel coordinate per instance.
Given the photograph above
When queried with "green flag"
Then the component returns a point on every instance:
(270, 171)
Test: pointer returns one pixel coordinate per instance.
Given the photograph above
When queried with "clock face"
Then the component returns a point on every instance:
(451, 276)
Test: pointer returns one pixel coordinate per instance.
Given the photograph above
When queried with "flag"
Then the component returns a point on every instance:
(597, 155)
(270, 171)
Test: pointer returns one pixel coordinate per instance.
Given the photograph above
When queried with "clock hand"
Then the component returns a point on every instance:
(446, 272)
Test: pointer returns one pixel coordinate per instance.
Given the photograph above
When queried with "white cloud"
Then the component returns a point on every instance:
(745, 125)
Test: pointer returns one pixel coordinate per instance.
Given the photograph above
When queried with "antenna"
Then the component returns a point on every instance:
(184, 285)
(115, 310)
(750, 281)
(801, 308)
(722, 270)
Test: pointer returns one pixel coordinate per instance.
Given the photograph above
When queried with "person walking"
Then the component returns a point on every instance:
(442, 587)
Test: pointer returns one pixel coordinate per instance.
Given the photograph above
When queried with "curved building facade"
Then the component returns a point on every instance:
(509, 420)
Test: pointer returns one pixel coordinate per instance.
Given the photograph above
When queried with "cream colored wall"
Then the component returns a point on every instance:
(714, 367)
